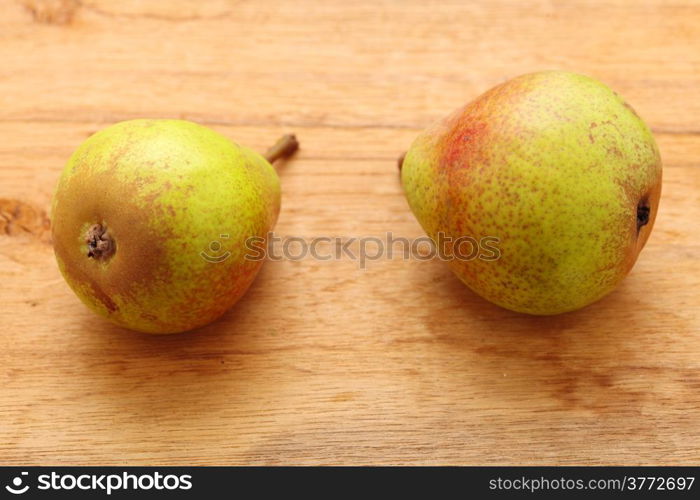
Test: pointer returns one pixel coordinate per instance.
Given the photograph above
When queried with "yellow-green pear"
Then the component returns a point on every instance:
(150, 221)
(554, 170)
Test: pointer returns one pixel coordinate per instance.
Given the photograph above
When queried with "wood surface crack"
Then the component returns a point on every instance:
(147, 15)
(20, 218)
(104, 120)
(56, 12)
(280, 123)
(63, 12)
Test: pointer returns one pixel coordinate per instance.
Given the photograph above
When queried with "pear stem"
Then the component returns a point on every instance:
(283, 148)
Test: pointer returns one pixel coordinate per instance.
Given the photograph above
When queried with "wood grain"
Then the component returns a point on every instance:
(321, 362)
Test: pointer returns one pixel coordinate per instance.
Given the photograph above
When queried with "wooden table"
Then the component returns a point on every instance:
(321, 362)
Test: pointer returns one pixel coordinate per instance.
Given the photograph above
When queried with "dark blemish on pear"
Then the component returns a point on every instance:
(643, 213)
(100, 243)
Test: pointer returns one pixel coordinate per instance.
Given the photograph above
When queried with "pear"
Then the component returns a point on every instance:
(553, 175)
(151, 219)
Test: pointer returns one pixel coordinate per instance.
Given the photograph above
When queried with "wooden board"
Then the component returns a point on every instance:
(321, 362)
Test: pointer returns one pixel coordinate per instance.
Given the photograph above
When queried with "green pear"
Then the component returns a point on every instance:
(151, 219)
(556, 172)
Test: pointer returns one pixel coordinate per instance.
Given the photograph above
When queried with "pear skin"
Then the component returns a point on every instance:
(150, 221)
(559, 169)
